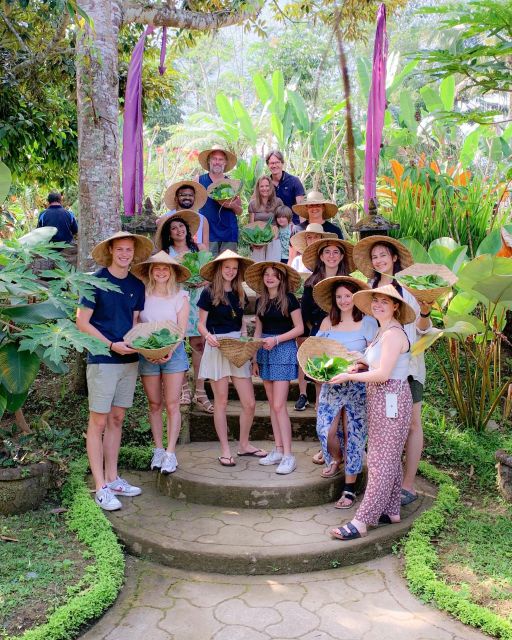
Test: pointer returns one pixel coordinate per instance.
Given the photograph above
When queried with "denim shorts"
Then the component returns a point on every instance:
(177, 363)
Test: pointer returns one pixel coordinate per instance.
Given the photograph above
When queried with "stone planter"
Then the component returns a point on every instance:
(504, 467)
(24, 488)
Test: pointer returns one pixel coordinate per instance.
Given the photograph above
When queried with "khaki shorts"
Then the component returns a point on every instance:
(111, 385)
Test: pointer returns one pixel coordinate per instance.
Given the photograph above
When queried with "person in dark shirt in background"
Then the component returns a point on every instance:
(289, 188)
(56, 216)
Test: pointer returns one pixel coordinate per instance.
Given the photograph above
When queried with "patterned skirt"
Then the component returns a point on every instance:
(280, 363)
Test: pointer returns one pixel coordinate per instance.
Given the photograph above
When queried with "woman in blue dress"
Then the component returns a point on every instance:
(347, 325)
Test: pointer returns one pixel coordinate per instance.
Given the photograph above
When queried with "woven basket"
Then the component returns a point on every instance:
(261, 224)
(428, 295)
(238, 352)
(145, 329)
(235, 184)
(314, 347)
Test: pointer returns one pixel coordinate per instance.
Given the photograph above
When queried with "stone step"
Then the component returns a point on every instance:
(201, 479)
(202, 428)
(247, 541)
(259, 390)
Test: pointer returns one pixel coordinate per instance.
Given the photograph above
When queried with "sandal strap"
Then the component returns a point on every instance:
(348, 494)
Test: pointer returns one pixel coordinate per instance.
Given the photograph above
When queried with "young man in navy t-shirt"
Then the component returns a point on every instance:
(111, 379)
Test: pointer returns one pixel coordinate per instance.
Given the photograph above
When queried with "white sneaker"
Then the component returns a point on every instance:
(156, 460)
(274, 457)
(287, 465)
(105, 499)
(120, 487)
(169, 463)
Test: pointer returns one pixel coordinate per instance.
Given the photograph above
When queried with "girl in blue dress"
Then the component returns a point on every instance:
(278, 323)
(347, 325)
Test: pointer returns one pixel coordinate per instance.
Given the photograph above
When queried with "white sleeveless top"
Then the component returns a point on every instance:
(401, 369)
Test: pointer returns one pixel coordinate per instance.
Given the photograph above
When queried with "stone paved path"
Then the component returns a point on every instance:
(367, 602)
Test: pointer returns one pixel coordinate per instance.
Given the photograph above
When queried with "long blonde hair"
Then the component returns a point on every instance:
(217, 286)
(171, 286)
(281, 299)
(272, 198)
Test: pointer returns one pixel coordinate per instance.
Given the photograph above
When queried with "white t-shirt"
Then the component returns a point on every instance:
(157, 308)
(298, 265)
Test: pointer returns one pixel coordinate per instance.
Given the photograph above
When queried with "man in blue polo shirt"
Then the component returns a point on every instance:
(221, 218)
(56, 216)
(289, 188)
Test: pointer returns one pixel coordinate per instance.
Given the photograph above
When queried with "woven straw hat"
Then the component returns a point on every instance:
(322, 292)
(298, 241)
(310, 255)
(230, 158)
(141, 270)
(364, 247)
(200, 194)
(316, 197)
(145, 329)
(190, 217)
(238, 351)
(208, 270)
(143, 248)
(363, 301)
(428, 295)
(314, 347)
(254, 275)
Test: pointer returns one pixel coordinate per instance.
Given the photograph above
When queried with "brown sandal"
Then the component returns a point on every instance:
(203, 402)
(186, 397)
(331, 470)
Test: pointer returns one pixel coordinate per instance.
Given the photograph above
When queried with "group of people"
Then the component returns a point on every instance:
(374, 407)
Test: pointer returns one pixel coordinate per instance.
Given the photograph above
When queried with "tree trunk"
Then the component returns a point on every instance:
(98, 115)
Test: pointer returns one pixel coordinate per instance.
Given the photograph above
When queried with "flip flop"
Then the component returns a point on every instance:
(331, 470)
(257, 453)
(407, 497)
(230, 463)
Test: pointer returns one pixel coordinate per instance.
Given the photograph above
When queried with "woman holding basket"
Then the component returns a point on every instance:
(221, 315)
(165, 301)
(278, 323)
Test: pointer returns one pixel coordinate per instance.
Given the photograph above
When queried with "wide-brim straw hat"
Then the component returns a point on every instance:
(254, 275)
(190, 217)
(141, 270)
(200, 194)
(363, 249)
(311, 254)
(298, 241)
(239, 351)
(231, 158)
(143, 248)
(363, 301)
(145, 329)
(420, 269)
(208, 270)
(315, 197)
(322, 292)
(314, 347)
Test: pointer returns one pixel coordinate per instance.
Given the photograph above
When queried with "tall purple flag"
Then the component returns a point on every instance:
(376, 109)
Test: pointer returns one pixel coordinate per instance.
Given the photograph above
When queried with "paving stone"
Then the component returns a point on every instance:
(233, 632)
(203, 597)
(295, 621)
(273, 591)
(341, 623)
(237, 612)
(185, 620)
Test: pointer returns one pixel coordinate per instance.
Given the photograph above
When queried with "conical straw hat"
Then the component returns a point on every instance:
(254, 275)
(298, 241)
(322, 292)
(231, 159)
(141, 270)
(208, 270)
(363, 301)
(143, 248)
(200, 194)
(187, 215)
(363, 249)
(310, 255)
(316, 197)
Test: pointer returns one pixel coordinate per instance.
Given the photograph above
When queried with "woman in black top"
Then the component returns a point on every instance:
(221, 314)
(279, 323)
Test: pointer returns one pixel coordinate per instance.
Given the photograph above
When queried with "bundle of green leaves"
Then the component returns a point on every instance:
(156, 340)
(222, 191)
(194, 262)
(431, 281)
(258, 235)
(325, 367)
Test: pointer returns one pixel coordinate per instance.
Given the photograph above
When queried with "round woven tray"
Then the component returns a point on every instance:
(235, 184)
(420, 269)
(145, 329)
(260, 224)
(238, 352)
(314, 347)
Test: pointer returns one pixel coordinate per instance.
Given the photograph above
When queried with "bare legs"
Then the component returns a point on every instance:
(413, 448)
(171, 395)
(103, 442)
(277, 394)
(197, 346)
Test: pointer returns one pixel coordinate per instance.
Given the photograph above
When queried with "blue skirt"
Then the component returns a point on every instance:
(280, 363)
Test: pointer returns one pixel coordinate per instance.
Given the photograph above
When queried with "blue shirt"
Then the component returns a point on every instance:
(64, 220)
(113, 313)
(222, 221)
(356, 340)
(288, 189)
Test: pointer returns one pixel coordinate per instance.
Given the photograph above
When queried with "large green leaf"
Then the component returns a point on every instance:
(446, 251)
(363, 73)
(488, 275)
(5, 181)
(462, 303)
(407, 110)
(225, 109)
(431, 98)
(18, 369)
(458, 330)
(37, 236)
(245, 122)
(263, 90)
(3, 401)
(492, 243)
(418, 251)
(447, 92)
(33, 313)
(397, 80)
(469, 148)
(278, 104)
(300, 110)
(277, 129)
(14, 400)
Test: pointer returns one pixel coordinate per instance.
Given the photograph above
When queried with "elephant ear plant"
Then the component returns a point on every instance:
(37, 312)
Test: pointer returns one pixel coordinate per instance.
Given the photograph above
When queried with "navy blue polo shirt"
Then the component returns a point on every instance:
(64, 220)
(222, 221)
(288, 189)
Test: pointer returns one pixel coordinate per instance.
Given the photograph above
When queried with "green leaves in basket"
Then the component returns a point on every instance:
(156, 340)
(431, 281)
(194, 262)
(257, 235)
(222, 191)
(325, 367)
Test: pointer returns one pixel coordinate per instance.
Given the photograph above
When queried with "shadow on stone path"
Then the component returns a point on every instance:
(369, 601)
